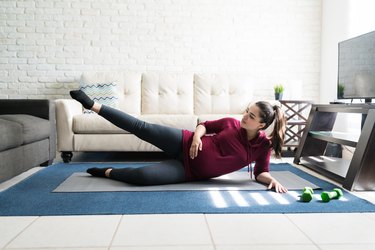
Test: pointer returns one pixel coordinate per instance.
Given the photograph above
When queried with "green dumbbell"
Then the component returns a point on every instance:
(307, 194)
(336, 193)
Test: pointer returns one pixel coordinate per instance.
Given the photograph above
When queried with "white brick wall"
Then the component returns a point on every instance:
(46, 44)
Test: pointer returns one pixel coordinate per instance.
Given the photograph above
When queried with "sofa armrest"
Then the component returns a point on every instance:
(66, 109)
(44, 109)
(38, 108)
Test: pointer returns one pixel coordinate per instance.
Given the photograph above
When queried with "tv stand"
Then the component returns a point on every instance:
(355, 174)
(368, 100)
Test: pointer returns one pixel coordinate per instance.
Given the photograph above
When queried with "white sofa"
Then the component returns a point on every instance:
(176, 99)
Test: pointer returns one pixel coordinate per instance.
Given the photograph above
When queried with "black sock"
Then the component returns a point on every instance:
(97, 172)
(80, 96)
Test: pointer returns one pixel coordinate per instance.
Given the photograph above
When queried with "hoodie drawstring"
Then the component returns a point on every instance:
(249, 165)
(248, 151)
(250, 170)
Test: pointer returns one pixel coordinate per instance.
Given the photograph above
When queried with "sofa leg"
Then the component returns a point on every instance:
(47, 163)
(67, 156)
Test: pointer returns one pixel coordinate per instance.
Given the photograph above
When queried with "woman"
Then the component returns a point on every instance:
(215, 147)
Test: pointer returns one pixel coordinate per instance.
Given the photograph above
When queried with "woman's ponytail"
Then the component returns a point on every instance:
(278, 133)
(269, 114)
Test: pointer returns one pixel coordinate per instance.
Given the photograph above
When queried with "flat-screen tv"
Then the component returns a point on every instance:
(356, 68)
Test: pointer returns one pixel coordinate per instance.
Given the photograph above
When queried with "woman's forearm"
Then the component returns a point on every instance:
(196, 144)
(200, 131)
(265, 178)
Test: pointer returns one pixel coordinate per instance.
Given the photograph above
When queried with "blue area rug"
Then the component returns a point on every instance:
(34, 197)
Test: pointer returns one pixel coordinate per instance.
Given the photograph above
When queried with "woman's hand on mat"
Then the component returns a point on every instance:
(278, 187)
(266, 178)
(196, 146)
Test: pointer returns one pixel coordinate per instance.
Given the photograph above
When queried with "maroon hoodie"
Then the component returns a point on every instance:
(225, 149)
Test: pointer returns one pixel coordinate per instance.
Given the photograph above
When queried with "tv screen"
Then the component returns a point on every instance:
(356, 68)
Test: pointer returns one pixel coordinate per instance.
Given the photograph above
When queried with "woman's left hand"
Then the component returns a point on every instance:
(266, 178)
(278, 187)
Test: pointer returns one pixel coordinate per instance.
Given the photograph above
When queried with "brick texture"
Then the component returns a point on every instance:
(45, 45)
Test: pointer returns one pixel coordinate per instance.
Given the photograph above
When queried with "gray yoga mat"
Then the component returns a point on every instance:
(83, 182)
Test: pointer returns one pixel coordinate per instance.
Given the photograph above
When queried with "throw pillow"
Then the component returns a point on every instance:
(104, 93)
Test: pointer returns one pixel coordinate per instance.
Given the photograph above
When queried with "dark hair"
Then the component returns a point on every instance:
(269, 114)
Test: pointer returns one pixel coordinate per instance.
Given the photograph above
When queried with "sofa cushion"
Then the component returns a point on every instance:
(10, 134)
(167, 93)
(188, 122)
(128, 86)
(95, 124)
(222, 93)
(33, 128)
(210, 117)
(104, 93)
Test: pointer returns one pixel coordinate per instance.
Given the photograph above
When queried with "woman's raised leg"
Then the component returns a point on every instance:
(166, 138)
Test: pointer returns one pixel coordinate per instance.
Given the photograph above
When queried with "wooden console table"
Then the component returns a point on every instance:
(296, 113)
(355, 174)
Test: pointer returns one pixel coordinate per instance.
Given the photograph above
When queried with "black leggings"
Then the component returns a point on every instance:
(165, 138)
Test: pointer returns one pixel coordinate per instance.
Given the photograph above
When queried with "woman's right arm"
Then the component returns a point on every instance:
(196, 144)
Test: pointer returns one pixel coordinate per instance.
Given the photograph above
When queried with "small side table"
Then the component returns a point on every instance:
(296, 113)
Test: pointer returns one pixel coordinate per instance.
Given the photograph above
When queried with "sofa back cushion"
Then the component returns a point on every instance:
(128, 85)
(167, 93)
(222, 93)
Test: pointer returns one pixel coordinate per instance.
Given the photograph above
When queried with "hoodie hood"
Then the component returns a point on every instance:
(257, 141)
(250, 145)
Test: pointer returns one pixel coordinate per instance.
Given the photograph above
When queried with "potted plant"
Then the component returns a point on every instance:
(279, 90)
(341, 89)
